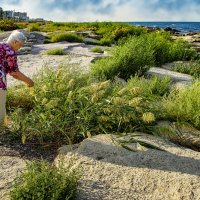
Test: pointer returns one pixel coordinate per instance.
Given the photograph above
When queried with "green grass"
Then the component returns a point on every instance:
(67, 106)
(69, 37)
(108, 32)
(183, 105)
(8, 25)
(43, 181)
(192, 68)
(34, 27)
(96, 50)
(56, 51)
(135, 55)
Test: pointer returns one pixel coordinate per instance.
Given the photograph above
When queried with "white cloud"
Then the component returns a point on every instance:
(108, 10)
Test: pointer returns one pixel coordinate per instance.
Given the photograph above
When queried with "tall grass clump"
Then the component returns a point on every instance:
(70, 106)
(69, 37)
(56, 51)
(136, 54)
(34, 27)
(192, 68)
(183, 105)
(96, 49)
(43, 181)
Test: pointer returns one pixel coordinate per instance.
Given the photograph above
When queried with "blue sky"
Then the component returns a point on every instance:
(108, 10)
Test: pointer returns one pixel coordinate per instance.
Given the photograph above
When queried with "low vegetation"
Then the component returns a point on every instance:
(135, 55)
(183, 105)
(56, 51)
(192, 68)
(69, 37)
(43, 181)
(96, 50)
(8, 25)
(68, 105)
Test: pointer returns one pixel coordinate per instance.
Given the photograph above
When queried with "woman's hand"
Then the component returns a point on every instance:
(22, 77)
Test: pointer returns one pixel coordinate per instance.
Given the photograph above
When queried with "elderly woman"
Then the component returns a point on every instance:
(8, 65)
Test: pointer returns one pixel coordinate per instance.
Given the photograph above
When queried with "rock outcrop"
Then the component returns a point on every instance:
(113, 170)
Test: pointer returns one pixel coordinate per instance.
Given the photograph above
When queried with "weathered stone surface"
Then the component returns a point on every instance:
(113, 172)
(174, 76)
(10, 167)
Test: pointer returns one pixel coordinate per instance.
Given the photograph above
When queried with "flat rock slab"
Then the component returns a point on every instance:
(10, 167)
(78, 54)
(174, 76)
(113, 172)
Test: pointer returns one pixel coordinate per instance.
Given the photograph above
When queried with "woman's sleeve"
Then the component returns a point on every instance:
(11, 59)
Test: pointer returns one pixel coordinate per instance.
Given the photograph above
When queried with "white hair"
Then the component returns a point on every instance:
(16, 36)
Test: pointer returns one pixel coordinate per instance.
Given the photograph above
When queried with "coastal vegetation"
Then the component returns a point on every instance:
(114, 97)
(68, 106)
(43, 181)
(56, 51)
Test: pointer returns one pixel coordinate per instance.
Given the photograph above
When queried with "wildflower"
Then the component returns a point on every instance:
(44, 101)
(70, 95)
(135, 91)
(94, 98)
(52, 103)
(122, 91)
(70, 83)
(104, 84)
(148, 117)
(118, 101)
(103, 118)
(135, 101)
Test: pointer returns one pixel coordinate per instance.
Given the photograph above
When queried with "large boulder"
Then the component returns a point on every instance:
(126, 168)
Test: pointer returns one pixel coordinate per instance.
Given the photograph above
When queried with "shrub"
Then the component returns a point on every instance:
(56, 51)
(8, 25)
(69, 106)
(131, 58)
(192, 68)
(34, 27)
(69, 37)
(135, 55)
(183, 105)
(96, 50)
(43, 181)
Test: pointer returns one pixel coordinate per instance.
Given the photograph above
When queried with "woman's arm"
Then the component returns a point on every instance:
(22, 77)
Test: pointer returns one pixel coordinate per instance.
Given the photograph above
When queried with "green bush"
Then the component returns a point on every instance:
(43, 181)
(69, 106)
(131, 58)
(69, 37)
(8, 25)
(135, 55)
(183, 105)
(96, 49)
(34, 27)
(192, 68)
(56, 51)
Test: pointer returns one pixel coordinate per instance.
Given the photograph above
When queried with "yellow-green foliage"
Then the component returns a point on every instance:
(43, 181)
(34, 27)
(71, 105)
(96, 49)
(69, 37)
(183, 105)
(57, 51)
(192, 68)
(136, 54)
(8, 25)
(109, 32)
